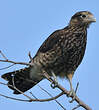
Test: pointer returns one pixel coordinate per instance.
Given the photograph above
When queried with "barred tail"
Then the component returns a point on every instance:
(20, 79)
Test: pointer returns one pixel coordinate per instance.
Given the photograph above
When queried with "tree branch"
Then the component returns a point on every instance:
(21, 63)
(52, 96)
(80, 102)
(3, 55)
(64, 91)
(7, 67)
(76, 107)
(30, 99)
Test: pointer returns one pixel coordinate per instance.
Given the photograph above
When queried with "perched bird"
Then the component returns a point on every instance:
(60, 54)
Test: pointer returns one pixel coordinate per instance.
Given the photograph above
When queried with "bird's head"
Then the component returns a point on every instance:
(82, 18)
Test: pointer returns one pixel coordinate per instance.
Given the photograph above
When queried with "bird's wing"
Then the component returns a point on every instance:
(50, 42)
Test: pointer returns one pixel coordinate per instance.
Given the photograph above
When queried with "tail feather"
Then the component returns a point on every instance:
(20, 79)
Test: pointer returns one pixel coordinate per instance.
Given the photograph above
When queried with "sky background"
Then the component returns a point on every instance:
(24, 25)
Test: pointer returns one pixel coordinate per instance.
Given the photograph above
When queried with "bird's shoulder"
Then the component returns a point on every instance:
(52, 40)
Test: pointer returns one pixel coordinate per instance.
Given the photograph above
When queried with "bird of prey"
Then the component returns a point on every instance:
(60, 54)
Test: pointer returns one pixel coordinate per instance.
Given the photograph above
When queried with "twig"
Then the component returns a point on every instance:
(36, 100)
(3, 55)
(75, 92)
(52, 96)
(33, 95)
(76, 87)
(19, 90)
(9, 61)
(14, 98)
(76, 107)
(7, 67)
(33, 100)
(81, 103)
(29, 54)
(21, 63)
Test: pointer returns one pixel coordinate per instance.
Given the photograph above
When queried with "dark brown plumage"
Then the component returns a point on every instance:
(61, 54)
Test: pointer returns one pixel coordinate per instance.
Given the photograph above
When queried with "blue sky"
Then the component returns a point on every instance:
(25, 24)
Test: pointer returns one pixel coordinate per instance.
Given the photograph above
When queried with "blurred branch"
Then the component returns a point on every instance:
(7, 67)
(21, 63)
(52, 96)
(81, 103)
(3, 55)
(76, 107)
(30, 99)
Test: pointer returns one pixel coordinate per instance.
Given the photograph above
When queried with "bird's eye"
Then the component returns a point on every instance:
(83, 16)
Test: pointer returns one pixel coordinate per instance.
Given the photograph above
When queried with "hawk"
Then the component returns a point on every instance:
(61, 54)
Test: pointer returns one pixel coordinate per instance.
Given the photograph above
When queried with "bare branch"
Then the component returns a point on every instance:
(21, 63)
(9, 61)
(19, 90)
(38, 100)
(81, 103)
(3, 55)
(33, 100)
(75, 92)
(7, 67)
(76, 87)
(52, 96)
(33, 95)
(76, 107)
(14, 98)
(29, 54)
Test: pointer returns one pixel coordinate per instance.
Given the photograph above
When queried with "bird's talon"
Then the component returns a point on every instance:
(54, 85)
(70, 94)
(73, 95)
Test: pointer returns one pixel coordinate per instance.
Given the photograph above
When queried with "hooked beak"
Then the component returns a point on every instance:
(91, 19)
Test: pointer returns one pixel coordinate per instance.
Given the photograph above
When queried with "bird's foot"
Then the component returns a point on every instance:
(54, 84)
(72, 94)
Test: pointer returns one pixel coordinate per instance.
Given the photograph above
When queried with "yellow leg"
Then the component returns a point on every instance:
(72, 92)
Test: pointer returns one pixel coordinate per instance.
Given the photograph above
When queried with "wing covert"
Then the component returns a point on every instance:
(50, 41)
